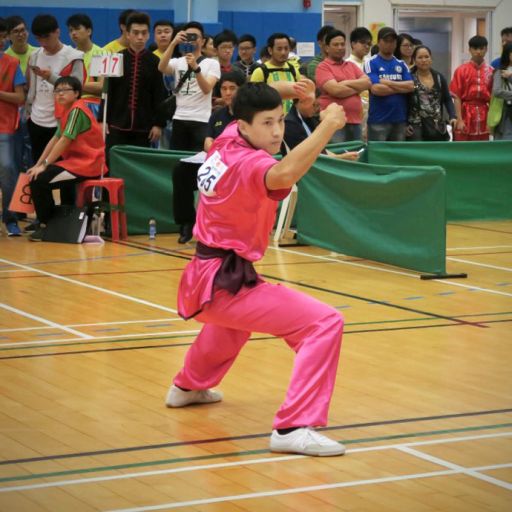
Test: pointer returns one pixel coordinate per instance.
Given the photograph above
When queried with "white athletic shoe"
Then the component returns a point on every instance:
(305, 441)
(176, 397)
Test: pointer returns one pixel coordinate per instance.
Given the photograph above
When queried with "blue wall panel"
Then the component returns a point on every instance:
(303, 26)
(104, 20)
(261, 25)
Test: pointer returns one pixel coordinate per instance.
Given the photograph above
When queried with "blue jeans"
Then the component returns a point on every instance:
(22, 146)
(386, 132)
(7, 175)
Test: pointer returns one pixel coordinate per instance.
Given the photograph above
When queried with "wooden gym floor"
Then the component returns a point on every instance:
(90, 339)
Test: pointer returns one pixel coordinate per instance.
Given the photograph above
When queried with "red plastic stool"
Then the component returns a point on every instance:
(115, 187)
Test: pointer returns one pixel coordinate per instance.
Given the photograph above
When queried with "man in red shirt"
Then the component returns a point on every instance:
(341, 82)
(471, 87)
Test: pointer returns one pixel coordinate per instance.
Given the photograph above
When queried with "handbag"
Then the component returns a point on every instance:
(496, 106)
(67, 225)
(495, 111)
(432, 130)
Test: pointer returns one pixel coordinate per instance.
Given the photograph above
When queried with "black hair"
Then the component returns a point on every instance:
(401, 38)
(360, 34)
(374, 50)
(277, 35)
(320, 35)
(247, 38)
(332, 34)
(44, 24)
(141, 18)
(196, 25)
(14, 21)
(3, 25)
(226, 36)
(232, 76)
(123, 17)
(75, 20)
(254, 97)
(416, 50)
(72, 81)
(505, 56)
(506, 31)
(421, 47)
(478, 42)
(163, 23)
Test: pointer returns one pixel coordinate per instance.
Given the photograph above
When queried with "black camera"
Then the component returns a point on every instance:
(191, 37)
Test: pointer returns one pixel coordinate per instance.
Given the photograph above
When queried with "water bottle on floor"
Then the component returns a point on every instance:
(152, 229)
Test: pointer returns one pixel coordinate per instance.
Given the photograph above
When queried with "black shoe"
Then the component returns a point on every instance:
(186, 233)
(37, 235)
(34, 226)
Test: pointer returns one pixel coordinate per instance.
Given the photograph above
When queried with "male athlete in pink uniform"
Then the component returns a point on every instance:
(240, 185)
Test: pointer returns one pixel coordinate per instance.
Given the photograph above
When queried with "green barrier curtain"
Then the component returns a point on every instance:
(148, 185)
(391, 214)
(478, 174)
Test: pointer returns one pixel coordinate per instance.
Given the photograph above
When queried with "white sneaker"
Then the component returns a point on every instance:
(176, 397)
(305, 441)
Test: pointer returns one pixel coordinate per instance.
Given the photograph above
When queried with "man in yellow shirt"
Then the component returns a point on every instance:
(278, 68)
(18, 35)
(162, 34)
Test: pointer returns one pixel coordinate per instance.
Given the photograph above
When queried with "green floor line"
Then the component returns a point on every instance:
(238, 454)
(149, 338)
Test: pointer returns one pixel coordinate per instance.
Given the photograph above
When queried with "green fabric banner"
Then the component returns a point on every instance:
(478, 174)
(392, 214)
(147, 174)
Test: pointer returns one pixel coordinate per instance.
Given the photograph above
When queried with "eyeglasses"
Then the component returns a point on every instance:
(61, 91)
(19, 31)
(406, 45)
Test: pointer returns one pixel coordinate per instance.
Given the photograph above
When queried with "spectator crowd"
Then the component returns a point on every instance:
(177, 93)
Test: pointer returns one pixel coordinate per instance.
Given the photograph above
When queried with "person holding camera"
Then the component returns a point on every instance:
(195, 77)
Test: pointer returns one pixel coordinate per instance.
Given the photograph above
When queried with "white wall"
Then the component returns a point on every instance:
(375, 11)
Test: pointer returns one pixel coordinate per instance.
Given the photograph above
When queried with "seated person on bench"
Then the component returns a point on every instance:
(75, 153)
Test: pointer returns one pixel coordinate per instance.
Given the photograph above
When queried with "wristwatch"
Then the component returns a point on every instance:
(45, 162)
(197, 70)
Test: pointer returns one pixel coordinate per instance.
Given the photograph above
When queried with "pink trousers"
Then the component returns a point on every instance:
(311, 328)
